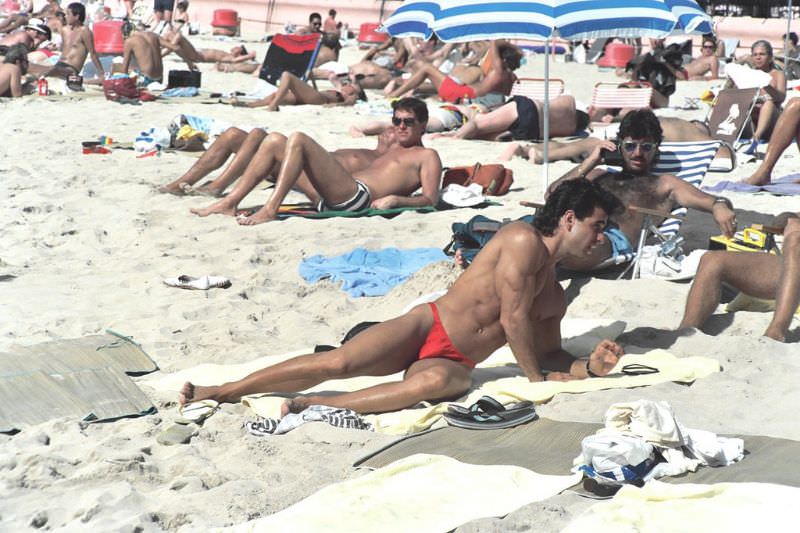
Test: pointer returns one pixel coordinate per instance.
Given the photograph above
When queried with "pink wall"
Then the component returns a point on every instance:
(269, 16)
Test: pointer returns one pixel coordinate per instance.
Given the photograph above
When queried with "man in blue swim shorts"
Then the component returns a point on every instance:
(640, 135)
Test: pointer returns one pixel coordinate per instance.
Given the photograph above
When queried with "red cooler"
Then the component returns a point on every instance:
(616, 55)
(108, 37)
(368, 34)
(225, 18)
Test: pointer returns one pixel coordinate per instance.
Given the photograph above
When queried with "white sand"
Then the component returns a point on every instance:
(89, 241)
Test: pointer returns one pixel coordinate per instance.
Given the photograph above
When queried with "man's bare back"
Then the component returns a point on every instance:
(144, 48)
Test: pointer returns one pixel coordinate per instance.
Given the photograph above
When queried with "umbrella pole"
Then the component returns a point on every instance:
(546, 121)
(786, 38)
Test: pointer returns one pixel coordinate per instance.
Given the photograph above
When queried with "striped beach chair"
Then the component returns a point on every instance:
(612, 96)
(533, 88)
(690, 162)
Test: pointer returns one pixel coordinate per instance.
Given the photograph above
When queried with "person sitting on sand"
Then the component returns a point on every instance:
(78, 44)
(523, 118)
(142, 55)
(387, 182)
(294, 91)
(673, 130)
(768, 107)
(32, 35)
(768, 276)
(13, 70)
(700, 67)
(503, 58)
(174, 41)
(786, 130)
(509, 294)
(257, 150)
(639, 137)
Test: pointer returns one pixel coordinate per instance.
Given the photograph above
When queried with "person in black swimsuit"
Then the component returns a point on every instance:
(293, 91)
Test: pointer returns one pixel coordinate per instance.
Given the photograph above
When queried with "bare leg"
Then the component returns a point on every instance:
(247, 68)
(330, 179)
(268, 155)
(512, 150)
(572, 151)
(374, 127)
(292, 85)
(384, 349)
(229, 142)
(786, 130)
(766, 118)
(489, 125)
(427, 72)
(787, 297)
(239, 163)
(753, 273)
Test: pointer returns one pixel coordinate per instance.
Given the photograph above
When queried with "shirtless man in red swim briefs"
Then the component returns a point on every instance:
(509, 294)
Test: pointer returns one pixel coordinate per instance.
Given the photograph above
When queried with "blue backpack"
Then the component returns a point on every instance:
(471, 236)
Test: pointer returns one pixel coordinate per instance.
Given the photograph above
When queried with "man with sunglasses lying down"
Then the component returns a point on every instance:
(636, 150)
(388, 181)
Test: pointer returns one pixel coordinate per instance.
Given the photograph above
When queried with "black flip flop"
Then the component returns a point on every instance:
(488, 413)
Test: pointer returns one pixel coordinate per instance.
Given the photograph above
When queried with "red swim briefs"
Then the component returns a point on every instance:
(452, 91)
(438, 344)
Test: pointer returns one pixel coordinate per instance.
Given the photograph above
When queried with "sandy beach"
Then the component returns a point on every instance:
(86, 240)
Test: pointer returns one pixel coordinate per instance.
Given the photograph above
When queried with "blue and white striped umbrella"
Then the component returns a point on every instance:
(470, 20)
(413, 19)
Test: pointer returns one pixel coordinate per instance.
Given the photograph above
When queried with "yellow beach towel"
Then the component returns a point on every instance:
(668, 508)
(421, 493)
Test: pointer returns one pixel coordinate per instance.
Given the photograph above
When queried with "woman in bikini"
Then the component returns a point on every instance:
(771, 96)
(293, 91)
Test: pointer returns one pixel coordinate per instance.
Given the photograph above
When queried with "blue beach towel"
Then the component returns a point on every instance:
(781, 186)
(369, 272)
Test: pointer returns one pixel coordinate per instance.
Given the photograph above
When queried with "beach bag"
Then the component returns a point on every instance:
(471, 236)
(494, 178)
(616, 460)
(183, 78)
(116, 88)
(653, 70)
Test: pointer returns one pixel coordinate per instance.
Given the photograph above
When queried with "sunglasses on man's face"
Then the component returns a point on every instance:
(408, 121)
(630, 147)
(708, 46)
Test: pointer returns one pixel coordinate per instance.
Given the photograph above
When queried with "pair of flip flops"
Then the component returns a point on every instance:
(488, 413)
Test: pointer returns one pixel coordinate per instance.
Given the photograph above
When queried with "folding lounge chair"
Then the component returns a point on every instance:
(731, 114)
(688, 161)
(533, 88)
(612, 96)
(295, 53)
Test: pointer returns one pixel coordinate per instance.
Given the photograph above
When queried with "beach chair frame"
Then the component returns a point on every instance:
(728, 123)
(285, 52)
(533, 88)
(608, 95)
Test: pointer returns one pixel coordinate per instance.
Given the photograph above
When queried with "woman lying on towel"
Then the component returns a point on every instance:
(294, 91)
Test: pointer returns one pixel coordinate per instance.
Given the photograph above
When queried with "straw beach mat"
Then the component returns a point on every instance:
(85, 378)
(549, 446)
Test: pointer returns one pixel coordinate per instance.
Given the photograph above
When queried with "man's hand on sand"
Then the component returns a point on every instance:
(387, 202)
(605, 357)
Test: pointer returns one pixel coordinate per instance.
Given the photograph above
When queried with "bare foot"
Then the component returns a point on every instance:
(217, 208)
(510, 151)
(273, 107)
(536, 155)
(294, 405)
(759, 179)
(194, 393)
(175, 188)
(355, 131)
(779, 336)
(259, 217)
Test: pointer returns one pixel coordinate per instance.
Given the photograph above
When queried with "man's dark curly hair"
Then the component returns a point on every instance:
(641, 124)
(578, 195)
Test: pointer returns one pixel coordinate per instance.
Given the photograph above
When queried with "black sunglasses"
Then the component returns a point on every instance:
(408, 121)
(630, 146)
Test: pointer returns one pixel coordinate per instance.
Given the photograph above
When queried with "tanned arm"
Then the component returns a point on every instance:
(688, 195)
(430, 174)
(88, 42)
(587, 169)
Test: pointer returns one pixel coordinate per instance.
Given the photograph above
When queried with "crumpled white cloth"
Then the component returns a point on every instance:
(653, 265)
(461, 196)
(335, 416)
(684, 449)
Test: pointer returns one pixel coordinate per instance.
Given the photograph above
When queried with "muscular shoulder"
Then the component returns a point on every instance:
(520, 242)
